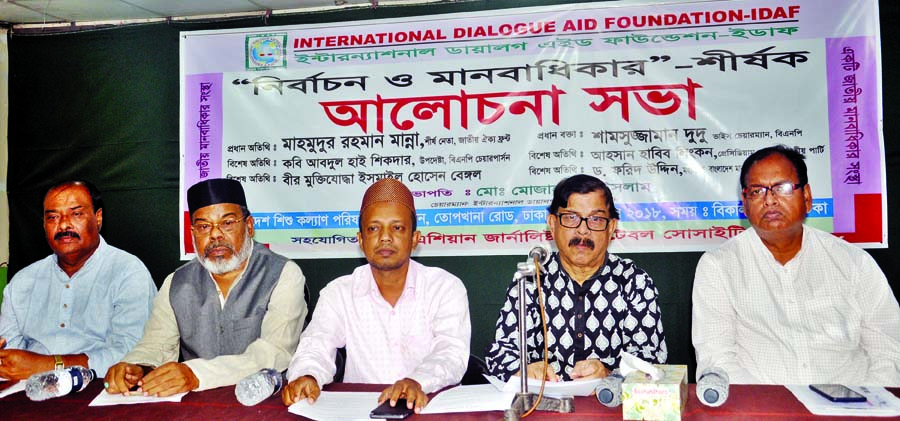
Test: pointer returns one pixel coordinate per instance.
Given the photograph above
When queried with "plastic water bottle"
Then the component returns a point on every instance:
(609, 391)
(258, 386)
(712, 386)
(59, 382)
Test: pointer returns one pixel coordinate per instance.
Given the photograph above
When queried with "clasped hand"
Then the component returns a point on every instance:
(168, 379)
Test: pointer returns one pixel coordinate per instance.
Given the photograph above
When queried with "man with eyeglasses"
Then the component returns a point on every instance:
(235, 309)
(597, 304)
(786, 303)
(85, 304)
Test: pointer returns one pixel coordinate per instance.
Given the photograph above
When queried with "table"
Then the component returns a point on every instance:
(744, 401)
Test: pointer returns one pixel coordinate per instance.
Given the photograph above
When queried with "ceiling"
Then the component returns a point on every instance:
(43, 13)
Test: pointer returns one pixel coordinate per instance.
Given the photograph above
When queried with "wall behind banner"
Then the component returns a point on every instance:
(103, 105)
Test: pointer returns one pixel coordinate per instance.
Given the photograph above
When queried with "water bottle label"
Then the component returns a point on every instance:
(279, 381)
(77, 380)
(64, 382)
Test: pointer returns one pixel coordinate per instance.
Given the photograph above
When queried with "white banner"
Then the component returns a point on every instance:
(482, 114)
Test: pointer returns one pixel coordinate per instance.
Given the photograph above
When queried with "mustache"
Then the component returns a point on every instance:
(212, 246)
(72, 234)
(577, 241)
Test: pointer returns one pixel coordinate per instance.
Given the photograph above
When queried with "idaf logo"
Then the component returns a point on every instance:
(265, 51)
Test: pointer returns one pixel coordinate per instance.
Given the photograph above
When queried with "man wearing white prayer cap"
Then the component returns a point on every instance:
(402, 323)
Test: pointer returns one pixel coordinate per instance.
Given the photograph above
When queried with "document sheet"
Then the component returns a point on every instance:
(338, 406)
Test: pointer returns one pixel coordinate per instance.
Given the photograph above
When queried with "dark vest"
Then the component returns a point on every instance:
(207, 329)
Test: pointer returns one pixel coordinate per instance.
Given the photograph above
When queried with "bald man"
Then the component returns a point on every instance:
(402, 323)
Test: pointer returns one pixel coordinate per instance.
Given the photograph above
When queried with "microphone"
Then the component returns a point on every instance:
(712, 387)
(541, 252)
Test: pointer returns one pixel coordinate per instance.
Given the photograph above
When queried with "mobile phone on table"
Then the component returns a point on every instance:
(837, 393)
(388, 412)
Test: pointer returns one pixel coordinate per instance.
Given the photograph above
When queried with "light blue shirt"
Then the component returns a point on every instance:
(100, 311)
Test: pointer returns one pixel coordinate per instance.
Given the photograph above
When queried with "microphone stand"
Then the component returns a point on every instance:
(525, 400)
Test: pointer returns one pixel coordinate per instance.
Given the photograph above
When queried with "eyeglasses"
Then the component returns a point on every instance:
(205, 228)
(573, 220)
(785, 189)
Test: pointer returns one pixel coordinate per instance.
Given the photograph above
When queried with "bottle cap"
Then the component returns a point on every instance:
(605, 396)
(710, 396)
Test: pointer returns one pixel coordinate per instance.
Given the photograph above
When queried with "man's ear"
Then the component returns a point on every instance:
(251, 228)
(611, 228)
(415, 239)
(807, 197)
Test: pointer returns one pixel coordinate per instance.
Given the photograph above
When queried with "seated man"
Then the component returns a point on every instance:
(401, 322)
(235, 309)
(85, 304)
(786, 303)
(597, 304)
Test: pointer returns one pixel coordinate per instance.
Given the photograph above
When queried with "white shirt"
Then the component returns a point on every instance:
(424, 336)
(827, 316)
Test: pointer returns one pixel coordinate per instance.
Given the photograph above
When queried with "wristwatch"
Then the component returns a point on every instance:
(58, 362)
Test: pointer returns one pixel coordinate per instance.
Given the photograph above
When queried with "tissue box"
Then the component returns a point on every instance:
(663, 399)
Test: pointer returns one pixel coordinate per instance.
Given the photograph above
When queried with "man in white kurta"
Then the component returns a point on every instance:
(785, 303)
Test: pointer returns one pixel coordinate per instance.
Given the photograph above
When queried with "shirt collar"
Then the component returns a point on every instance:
(101, 247)
(368, 285)
(761, 247)
(804, 245)
(595, 275)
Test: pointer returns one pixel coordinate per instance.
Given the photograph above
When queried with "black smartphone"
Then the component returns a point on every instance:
(837, 393)
(388, 412)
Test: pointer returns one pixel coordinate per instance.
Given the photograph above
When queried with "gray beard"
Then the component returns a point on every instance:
(223, 266)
